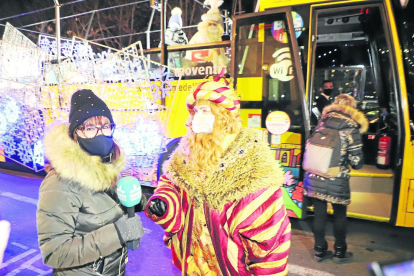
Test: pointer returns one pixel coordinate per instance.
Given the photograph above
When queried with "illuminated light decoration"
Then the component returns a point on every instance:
(41, 91)
(9, 114)
(3, 124)
(21, 65)
(24, 151)
(9, 145)
(161, 84)
(131, 91)
(142, 138)
(49, 45)
(11, 110)
(38, 153)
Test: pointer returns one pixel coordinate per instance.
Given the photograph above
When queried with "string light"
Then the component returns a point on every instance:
(37, 92)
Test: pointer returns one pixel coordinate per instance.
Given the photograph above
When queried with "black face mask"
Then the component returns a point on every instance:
(327, 92)
(100, 145)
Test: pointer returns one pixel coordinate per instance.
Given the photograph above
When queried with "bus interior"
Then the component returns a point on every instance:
(352, 50)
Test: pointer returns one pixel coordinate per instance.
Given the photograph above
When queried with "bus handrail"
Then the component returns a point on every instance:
(198, 46)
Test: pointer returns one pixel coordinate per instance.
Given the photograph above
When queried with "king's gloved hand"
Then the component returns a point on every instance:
(158, 207)
(129, 229)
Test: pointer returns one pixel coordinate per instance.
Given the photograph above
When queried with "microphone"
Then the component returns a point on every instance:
(130, 194)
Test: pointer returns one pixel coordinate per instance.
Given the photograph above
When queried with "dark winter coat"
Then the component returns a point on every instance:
(322, 102)
(75, 216)
(351, 123)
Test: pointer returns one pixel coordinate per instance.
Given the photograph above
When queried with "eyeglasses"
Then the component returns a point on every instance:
(92, 131)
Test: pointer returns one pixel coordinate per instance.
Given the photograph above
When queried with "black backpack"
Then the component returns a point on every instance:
(323, 153)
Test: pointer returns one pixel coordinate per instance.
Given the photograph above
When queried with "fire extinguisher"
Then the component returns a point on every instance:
(384, 152)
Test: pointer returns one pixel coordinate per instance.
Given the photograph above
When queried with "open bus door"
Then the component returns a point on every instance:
(356, 45)
(265, 66)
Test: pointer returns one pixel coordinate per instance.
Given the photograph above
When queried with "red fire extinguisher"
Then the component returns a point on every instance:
(384, 152)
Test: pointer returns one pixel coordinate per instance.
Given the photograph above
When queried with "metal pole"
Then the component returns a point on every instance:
(26, 30)
(234, 8)
(226, 22)
(89, 25)
(204, 6)
(165, 14)
(163, 46)
(57, 12)
(149, 36)
(139, 33)
(164, 53)
(149, 29)
(257, 6)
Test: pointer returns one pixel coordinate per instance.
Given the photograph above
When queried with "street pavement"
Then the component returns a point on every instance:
(369, 241)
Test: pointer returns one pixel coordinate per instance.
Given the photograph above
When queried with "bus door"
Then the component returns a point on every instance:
(268, 76)
(351, 46)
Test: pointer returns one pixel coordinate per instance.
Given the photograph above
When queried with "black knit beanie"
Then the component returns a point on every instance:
(84, 105)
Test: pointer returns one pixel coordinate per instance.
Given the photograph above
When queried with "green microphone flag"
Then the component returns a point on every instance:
(129, 191)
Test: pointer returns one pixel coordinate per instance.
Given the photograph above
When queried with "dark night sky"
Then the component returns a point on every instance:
(12, 7)
(15, 7)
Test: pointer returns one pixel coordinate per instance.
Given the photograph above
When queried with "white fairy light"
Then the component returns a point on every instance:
(35, 92)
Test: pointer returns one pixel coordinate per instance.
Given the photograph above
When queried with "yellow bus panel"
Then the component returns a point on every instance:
(250, 89)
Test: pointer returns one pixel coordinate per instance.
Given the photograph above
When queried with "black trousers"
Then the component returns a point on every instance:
(319, 223)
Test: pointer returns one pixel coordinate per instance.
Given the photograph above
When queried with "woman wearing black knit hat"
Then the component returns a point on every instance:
(82, 230)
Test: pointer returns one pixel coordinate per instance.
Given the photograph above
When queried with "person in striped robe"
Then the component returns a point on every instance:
(220, 201)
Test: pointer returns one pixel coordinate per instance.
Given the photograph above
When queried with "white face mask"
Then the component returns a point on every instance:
(203, 123)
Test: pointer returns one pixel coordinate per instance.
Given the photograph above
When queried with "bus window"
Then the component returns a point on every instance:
(264, 57)
(266, 62)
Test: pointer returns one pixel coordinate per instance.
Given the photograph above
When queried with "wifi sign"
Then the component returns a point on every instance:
(282, 69)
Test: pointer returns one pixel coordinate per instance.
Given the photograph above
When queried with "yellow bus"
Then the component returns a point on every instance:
(279, 57)
(283, 53)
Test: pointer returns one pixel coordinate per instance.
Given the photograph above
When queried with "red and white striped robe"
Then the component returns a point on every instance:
(250, 235)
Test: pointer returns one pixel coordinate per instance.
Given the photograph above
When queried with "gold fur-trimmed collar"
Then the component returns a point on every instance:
(354, 113)
(71, 162)
(247, 166)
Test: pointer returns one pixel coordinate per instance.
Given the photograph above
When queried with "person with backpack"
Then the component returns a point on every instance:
(335, 144)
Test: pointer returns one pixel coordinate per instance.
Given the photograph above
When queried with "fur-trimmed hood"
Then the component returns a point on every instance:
(353, 114)
(73, 163)
(245, 167)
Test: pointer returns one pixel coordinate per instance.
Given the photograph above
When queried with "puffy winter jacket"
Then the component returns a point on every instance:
(76, 215)
(351, 123)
